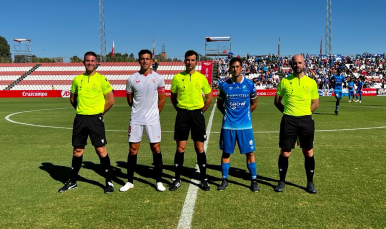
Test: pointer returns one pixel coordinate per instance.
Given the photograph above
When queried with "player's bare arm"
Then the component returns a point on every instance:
(173, 98)
(161, 100)
(73, 99)
(109, 102)
(253, 104)
(208, 101)
(314, 104)
(129, 98)
(220, 105)
(278, 103)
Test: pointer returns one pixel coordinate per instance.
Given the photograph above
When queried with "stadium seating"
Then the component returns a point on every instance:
(60, 75)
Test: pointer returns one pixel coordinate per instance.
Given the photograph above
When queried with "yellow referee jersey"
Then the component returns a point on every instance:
(297, 94)
(91, 92)
(189, 89)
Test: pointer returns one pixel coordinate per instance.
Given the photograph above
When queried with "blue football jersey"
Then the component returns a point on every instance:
(351, 85)
(339, 79)
(360, 84)
(237, 98)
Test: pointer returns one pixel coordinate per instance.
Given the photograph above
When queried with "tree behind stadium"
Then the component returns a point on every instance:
(5, 50)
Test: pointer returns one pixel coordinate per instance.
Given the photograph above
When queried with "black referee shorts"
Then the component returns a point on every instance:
(88, 125)
(292, 127)
(187, 120)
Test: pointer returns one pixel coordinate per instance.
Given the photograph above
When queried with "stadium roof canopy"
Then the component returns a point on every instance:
(21, 39)
(210, 39)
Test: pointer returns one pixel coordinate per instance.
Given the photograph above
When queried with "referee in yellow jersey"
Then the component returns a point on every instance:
(301, 98)
(92, 96)
(186, 95)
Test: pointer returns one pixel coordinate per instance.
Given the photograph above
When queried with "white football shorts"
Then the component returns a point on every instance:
(153, 132)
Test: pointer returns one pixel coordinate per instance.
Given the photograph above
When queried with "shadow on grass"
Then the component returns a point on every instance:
(147, 171)
(142, 170)
(62, 173)
(245, 175)
(318, 113)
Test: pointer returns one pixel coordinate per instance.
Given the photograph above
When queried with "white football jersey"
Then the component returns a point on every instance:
(144, 89)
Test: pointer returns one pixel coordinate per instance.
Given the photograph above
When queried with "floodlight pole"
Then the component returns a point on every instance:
(102, 36)
(328, 38)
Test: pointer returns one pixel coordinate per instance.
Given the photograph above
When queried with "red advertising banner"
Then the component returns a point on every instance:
(207, 70)
(122, 93)
(34, 93)
(266, 92)
(365, 92)
(369, 92)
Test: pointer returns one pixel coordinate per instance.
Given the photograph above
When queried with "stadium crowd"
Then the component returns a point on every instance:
(267, 70)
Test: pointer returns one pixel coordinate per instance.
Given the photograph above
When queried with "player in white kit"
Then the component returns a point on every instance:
(146, 96)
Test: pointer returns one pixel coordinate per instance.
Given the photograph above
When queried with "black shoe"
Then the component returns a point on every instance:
(204, 185)
(254, 186)
(68, 186)
(336, 112)
(176, 184)
(280, 186)
(311, 188)
(109, 187)
(223, 185)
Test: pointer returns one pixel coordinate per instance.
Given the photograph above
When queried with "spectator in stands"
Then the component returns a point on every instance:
(92, 96)
(186, 96)
(155, 65)
(146, 96)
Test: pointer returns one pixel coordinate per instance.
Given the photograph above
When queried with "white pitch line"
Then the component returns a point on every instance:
(168, 131)
(29, 124)
(190, 200)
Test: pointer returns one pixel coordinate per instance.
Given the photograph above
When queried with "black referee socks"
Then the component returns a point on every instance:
(201, 161)
(309, 165)
(283, 167)
(76, 164)
(106, 166)
(178, 163)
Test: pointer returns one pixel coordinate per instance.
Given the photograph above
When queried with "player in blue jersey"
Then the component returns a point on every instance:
(236, 101)
(359, 90)
(351, 89)
(338, 85)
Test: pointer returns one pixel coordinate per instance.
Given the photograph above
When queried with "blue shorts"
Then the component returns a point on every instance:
(359, 92)
(338, 94)
(244, 138)
(351, 93)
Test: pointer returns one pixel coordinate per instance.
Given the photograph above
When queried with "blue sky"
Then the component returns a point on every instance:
(68, 28)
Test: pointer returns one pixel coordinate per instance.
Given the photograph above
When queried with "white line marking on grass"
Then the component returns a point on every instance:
(8, 118)
(29, 124)
(190, 200)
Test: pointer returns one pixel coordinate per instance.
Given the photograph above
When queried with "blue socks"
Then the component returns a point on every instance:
(225, 170)
(252, 169)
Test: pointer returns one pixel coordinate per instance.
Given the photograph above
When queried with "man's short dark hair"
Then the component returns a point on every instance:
(145, 51)
(235, 59)
(89, 53)
(191, 53)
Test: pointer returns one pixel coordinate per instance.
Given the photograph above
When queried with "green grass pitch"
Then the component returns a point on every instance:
(350, 172)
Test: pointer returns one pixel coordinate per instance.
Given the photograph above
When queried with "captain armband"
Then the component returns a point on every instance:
(253, 95)
(161, 89)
